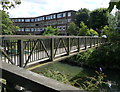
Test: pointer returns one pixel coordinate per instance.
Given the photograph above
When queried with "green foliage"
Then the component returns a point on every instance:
(106, 56)
(98, 19)
(86, 83)
(84, 56)
(84, 31)
(93, 32)
(7, 25)
(112, 4)
(112, 21)
(81, 58)
(82, 15)
(107, 31)
(91, 84)
(51, 31)
(56, 75)
(72, 29)
(7, 4)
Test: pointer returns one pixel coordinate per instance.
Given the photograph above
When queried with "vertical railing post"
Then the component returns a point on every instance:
(97, 41)
(94, 41)
(78, 44)
(68, 46)
(85, 43)
(100, 40)
(21, 53)
(52, 49)
(90, 42)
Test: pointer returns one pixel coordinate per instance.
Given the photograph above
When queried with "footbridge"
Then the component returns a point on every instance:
(19, 52)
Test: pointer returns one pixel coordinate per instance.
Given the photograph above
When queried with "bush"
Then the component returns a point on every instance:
(93, 32)
(106, 56)
(51, 31)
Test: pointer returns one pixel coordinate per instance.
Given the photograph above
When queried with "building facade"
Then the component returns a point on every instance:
(37, 25)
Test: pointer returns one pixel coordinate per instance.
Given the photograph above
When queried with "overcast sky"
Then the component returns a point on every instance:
(34, 8)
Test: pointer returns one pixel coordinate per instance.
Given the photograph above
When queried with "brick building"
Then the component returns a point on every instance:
(37, 25)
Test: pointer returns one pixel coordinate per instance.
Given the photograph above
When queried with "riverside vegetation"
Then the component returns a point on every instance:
(88, 83)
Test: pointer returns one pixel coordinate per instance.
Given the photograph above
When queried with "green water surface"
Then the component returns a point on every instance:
(72, 71)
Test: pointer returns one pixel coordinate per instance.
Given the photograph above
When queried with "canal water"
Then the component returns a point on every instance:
(111, 75)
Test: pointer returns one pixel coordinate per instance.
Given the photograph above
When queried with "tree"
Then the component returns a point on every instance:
(72, 29)
(107, 31)
(84, 30)
(98, 19)
(112, 4)
(7, 25)
(112, 21)
(51, 31)
(82, 15)
(93, 32)
(7, 4)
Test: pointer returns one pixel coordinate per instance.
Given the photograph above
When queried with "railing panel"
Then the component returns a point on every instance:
(73, 44)
(23, 50)
(60, 46)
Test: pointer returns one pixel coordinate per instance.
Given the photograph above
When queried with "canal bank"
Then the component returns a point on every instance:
(74, 72)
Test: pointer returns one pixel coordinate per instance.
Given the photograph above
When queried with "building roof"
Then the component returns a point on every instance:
(44, 15)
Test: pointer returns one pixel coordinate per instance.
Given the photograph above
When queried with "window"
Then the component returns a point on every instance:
(64, 14)
(35, 29)
(22, 29)
(32, 20)
(32, 29)
(22, 20)
(27, 29)
(27, 20)
(36, 19)
(40, 18)
(61, 15)
(54, 16)
(16, 20)
(19, 20)
(49, 17)
(69, 20)
(69, 14)
(41, 29)
(38, 29)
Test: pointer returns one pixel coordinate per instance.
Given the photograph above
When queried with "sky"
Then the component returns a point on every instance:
(34, 8)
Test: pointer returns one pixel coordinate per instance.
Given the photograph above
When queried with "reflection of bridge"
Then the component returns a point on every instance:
(27, 50)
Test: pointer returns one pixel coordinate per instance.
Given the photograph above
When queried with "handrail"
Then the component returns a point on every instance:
(40, 36)
(33, 81)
